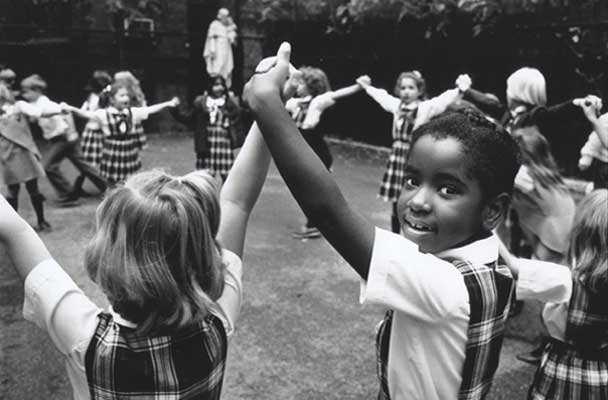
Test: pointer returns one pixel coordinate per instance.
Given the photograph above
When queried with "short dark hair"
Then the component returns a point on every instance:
(492, 156)
(34, 82)
(98, 81)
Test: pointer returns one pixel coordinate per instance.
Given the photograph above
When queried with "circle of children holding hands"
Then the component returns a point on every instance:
(451, 179)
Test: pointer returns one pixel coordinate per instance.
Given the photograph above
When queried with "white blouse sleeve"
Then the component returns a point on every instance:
(382, 97)
(57, 305)
(543, 281)
(420, 285)
(229, 303)
(28, 109)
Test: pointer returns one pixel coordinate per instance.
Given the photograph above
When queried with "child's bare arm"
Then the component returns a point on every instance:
(592, 106)
(23, 245)
(307, 178)
(242, 189)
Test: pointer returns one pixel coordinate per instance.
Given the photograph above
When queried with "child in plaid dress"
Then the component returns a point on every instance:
(121, 144)
(92, 135)
(171, 270)
(449, 298)
(574, 364)
(410, 110)
(137, 98)
(215, 118)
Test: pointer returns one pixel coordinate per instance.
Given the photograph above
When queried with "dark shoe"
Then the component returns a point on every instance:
(307, 233)
(533, 357)
(43, 227)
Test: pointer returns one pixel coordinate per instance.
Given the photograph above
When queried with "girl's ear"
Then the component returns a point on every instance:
(495, 211)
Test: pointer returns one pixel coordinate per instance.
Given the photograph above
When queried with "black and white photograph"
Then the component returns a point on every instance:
(303, 199)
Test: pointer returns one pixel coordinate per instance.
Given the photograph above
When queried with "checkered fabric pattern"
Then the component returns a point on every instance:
(138, 131)
(578, 367)
(392, 181)
(220, 157)
(92, 146)
(120, 155)
(489, 288)
(121, 364)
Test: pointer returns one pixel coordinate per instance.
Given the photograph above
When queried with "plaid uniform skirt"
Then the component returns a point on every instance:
(564, 374)
(138, 131)
(220, 158)
(120, 157)
(392, 181)
(92, 146)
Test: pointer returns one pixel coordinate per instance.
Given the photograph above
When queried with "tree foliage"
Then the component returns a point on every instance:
(437, 15)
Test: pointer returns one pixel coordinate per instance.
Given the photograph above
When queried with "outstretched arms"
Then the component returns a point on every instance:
(174, 102)
(382, 97)
(307, 178)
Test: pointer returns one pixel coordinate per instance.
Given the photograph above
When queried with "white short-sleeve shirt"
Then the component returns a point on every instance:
(431, 313)
(55, 303)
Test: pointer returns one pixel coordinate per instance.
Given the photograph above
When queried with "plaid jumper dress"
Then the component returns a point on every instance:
(92, 143)
(392, 181)
(489, 287)
(220, 157)
(122, 364)
(120, 155)
(578, 367)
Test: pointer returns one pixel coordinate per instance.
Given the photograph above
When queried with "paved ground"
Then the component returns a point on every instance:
(302, 333)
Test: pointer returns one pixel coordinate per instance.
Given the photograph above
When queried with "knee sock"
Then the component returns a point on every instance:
(37, 200)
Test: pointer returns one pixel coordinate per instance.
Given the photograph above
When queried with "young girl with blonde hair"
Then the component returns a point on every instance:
(574, 363)
(171, 270)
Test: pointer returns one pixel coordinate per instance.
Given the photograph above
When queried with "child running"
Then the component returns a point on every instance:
(19, 155)
(121, 143)
(410, 110)
(313, 97)
(574, 364)
(449, 298)
(214, 116)
(171, 270)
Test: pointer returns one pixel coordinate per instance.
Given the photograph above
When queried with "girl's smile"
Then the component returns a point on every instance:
(441, 204)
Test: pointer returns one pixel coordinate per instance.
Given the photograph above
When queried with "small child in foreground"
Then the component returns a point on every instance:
(171, 270)
(447, 297)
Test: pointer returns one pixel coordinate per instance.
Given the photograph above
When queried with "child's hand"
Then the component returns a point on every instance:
(463, 83)
(65, 107)
(364, 81)
(174, 102)
(273, 76)
(591, 106)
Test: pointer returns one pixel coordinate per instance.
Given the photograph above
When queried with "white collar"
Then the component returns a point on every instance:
(120, 320)
(483, 251)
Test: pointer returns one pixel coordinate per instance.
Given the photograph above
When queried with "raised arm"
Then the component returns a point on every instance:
(242, 189)
(387, 102)
(23, 245)
(592, 106)
(307, 178)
